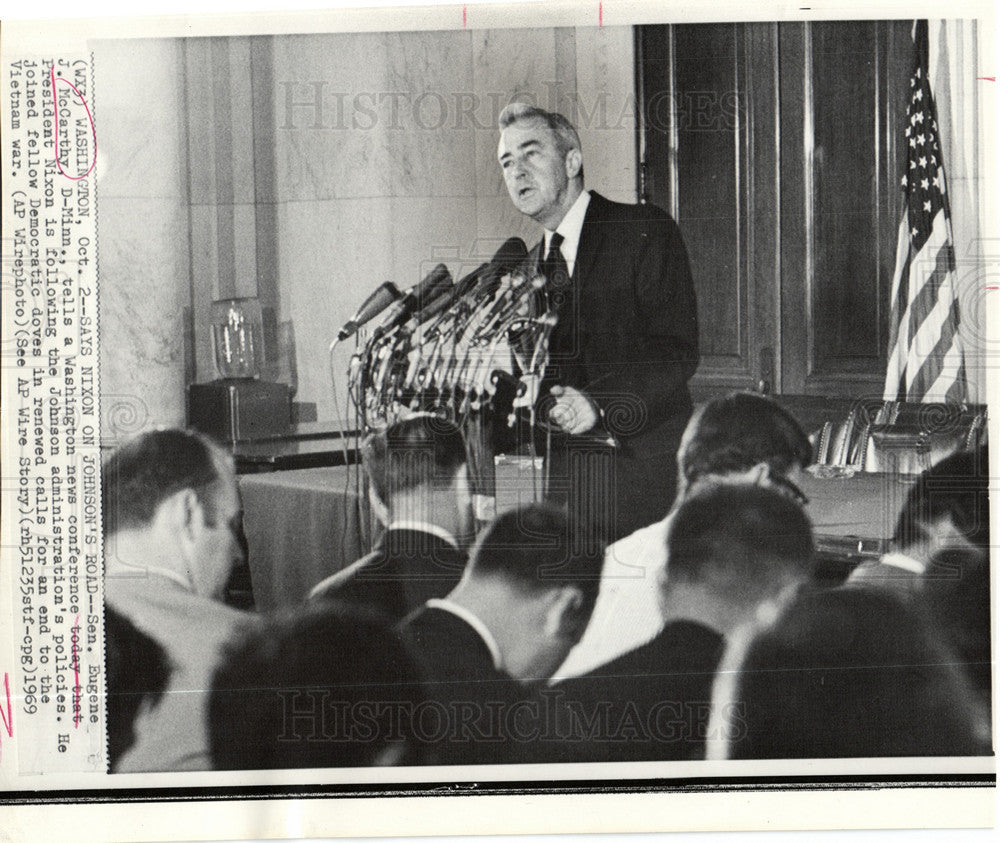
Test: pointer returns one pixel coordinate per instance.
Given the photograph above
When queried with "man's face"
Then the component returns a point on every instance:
(536, 173)
(220, 544)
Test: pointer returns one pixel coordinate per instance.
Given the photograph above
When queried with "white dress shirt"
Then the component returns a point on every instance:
(424, 527)
(570, 228)
(627, 613)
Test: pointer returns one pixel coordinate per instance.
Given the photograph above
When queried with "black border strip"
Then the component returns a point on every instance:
(498, 788)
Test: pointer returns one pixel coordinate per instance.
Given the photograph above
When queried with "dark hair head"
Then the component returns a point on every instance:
(421, 451)
(324, 686)
(564, 131)
(957, 487)
(531, 549)
(146, 470)
(137, 670)
(735, 433)
(742, 539)
(847, 672)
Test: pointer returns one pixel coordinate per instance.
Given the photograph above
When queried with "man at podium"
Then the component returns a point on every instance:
(615, 395)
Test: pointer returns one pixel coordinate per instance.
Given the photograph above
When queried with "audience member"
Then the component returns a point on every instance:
(522, 604)
(172, 527)
(137, 672)
(842, 673)
(418, 469)
(741, 438)
(328, 685)
(947, 508)
(734, 549)
(954, 590)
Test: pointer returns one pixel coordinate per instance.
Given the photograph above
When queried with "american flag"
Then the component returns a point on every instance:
(926, 359)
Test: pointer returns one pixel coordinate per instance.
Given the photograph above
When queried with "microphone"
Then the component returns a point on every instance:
(485, 279)
(384, 295)
(471, 287)
(509, 256)
(438, 278)
(519, 296)
(433, 309)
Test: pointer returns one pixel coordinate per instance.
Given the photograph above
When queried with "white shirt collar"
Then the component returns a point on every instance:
(424, 527)
(135, 571)
(901, 560)
(474, 622)
(570, 228)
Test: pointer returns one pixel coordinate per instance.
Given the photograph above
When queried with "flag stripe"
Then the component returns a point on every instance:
(926, 373)
(959, 390)
(900, 283)
(925, 298)
(926, 361)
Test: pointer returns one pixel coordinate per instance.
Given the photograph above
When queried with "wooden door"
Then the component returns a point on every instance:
(775, 147)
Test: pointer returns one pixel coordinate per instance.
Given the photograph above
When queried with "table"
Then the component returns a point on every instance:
(304, 525)
(301, 526)
(307, 445)
(853, 519)
(864, 506)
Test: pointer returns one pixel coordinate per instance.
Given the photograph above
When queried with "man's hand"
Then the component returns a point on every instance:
(573, 411)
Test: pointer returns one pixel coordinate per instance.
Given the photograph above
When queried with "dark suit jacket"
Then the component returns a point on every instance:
(630, 341)
(633, 324)
(651, 704)
(406, 569)
(476, 703)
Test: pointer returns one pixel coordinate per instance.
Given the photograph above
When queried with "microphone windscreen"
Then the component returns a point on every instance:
(384, 295)
(508, 257)
(466, 284)
(435, 306)
(435, 282)
(511, 254)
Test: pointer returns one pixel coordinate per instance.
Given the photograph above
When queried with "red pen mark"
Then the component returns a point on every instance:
(993, 287)
(90, 117)
(600, 14)
(987, 78)
(8, 718)
(463, 17)
(75, 655)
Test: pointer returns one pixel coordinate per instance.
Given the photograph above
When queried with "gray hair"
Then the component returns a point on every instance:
(566, 136)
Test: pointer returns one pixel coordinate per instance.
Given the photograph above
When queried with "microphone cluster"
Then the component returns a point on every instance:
(444, 347)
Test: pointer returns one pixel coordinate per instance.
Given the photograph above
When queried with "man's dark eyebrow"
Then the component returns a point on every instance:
(528, 142)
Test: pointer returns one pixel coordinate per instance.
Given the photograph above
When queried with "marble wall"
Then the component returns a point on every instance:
(308, 169)
(142, 223)
(396, 169)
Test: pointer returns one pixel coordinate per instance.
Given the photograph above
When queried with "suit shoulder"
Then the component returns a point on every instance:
(648, 222)
(621, 211)
(335, 584)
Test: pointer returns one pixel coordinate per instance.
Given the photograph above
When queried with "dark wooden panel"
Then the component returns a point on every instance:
(840, 111)
(792, 234)
(655, 74)
(709, 166)
(775, 146)
(847, 329)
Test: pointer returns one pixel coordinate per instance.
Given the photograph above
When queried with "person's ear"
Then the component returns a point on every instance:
(562, 614)
(574, 163)
(183, 513)
(185, 519)
(760, 474)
